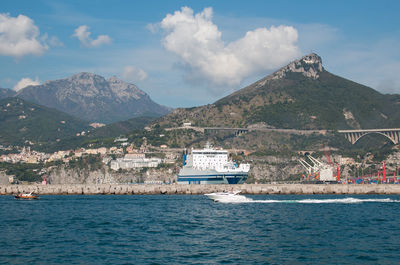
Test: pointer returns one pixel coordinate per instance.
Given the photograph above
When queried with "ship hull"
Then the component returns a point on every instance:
(192, 176)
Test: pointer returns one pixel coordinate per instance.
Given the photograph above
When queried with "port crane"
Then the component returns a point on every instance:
(317, 168)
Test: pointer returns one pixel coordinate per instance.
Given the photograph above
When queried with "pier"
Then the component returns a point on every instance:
(140, 189)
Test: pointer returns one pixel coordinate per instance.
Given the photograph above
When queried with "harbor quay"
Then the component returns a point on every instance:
(154, 189)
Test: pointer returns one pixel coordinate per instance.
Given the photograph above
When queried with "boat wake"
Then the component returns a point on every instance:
(350, 200)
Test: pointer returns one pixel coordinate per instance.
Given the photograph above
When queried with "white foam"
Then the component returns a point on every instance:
(349, 200)
(234, 199)
(346, 200)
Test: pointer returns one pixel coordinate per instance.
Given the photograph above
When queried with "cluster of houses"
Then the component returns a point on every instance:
(34, 157)
(137, 158)
(126, 159)
(25, 156)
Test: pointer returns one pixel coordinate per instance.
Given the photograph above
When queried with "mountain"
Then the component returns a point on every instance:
(301, 95)
(22, 121)
(102, 136)
(5, 93)
(93, 98)
(121, 128)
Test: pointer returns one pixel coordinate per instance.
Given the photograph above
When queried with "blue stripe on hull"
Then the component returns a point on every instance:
(233, 180)
(212, 180)
(214, 175)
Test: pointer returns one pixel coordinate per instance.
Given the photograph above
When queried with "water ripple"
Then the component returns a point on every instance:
(194, 230)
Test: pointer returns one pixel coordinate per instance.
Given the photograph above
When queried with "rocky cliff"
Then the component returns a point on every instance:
(65, 175)
(93, 98)
(3, 178)
(309, 66)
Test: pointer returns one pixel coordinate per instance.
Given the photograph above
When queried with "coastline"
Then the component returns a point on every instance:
(141, 189)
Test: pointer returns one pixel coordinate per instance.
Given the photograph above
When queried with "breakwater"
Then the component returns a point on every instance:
(121, 189)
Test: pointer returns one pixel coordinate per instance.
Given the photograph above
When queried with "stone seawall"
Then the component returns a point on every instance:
(87, 189)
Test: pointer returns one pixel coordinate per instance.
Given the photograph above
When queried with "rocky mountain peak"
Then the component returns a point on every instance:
(93, 98)
(309, 65)
(114, 80)
(124, 90)
(86, 78)
(83, 75)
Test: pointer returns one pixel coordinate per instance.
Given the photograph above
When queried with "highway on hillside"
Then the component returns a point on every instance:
(243, 130)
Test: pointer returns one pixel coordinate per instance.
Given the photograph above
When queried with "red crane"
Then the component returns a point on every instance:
(383, 172)
(328, 156)
(337, 172)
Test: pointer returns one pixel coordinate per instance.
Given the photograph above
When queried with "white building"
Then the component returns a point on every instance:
(134, 156)
(126, 163)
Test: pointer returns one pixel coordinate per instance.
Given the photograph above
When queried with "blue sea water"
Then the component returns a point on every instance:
(176, 229)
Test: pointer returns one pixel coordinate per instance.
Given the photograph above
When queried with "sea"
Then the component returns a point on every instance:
(185, 229)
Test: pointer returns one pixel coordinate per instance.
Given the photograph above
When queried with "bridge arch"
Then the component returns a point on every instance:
(390, 138)
(354, 135)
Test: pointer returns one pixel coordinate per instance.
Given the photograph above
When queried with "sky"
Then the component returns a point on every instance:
(191, 53)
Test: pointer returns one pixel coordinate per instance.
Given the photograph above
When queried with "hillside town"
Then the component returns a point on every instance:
(125, 154)
(122, 156)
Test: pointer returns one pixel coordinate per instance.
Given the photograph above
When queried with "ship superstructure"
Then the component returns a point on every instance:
(211, 166)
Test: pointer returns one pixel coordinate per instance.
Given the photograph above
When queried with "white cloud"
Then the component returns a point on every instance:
(19, 36)
(83, 35)
(26, 81)
(55, 42)
(198, 43)
(133, 74)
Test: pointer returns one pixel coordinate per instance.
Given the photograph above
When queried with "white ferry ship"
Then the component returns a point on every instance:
(211, 166)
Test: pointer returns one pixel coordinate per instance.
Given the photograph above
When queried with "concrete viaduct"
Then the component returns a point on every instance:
(351, 135)
(354, 135)
(239, 131)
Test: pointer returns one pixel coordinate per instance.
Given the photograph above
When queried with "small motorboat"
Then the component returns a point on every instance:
(27, 196)
(228, 197)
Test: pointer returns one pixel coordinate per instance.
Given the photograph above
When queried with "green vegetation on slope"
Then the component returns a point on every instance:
(121, 128)
(297, 102)
(92, 162)
(23, 171)
(99, 137)
(22, 122)
(5, 93)
(316, 104)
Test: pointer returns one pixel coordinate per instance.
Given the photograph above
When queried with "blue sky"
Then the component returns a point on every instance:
(188, 53)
